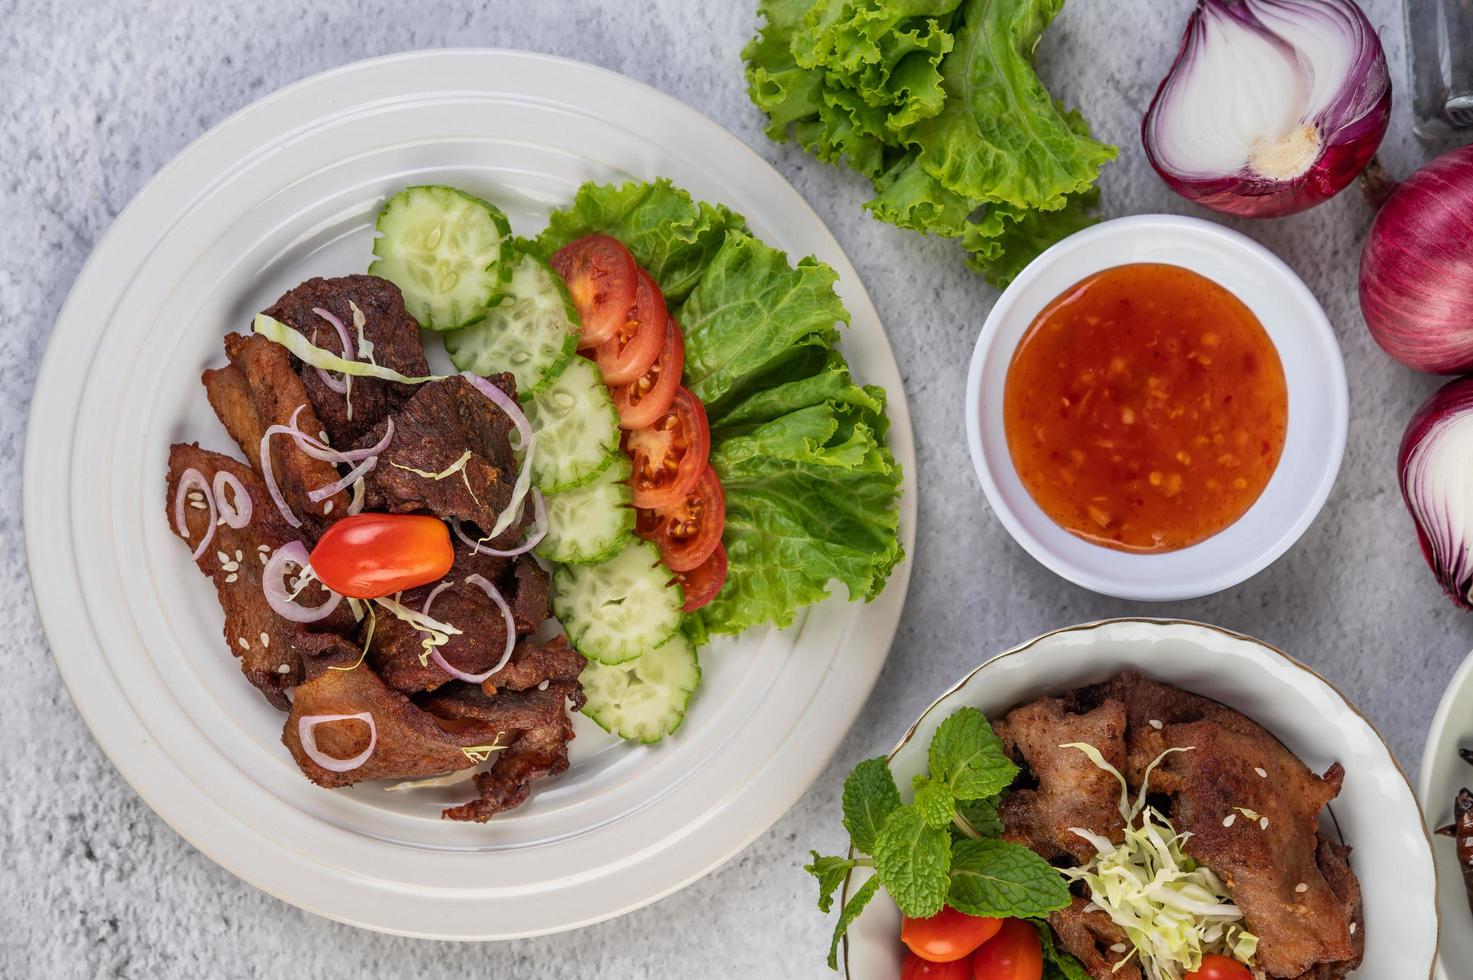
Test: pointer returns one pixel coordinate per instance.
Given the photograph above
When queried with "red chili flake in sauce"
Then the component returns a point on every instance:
(1145, 408)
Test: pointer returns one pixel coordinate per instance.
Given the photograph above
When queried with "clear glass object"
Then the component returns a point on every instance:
(1440, 49)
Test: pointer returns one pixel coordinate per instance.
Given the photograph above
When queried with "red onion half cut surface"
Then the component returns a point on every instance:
(1436, 468)
(1271, 107)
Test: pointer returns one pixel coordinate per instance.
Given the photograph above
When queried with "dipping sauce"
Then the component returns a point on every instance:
(1145, 408)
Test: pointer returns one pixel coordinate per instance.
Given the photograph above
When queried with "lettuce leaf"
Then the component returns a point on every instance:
(811, 486)
(937, 102)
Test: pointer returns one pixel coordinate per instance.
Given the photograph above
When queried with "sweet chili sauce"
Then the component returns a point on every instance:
(1145, 408)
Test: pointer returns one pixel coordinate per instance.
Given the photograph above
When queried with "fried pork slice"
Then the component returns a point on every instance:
(425, 467)
(532, 663)
(397, 647)
(1093, 939)
(387, 325)
(1072, 791)
(1334, 862)
(408, 742)
(1252, 810)
(534, 728)
(275, 395)
(270, 648)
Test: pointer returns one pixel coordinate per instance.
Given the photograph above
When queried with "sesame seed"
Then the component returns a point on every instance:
(222, 556)
(232, 577)
(542, 686)
(195, 495)
(263, 548)
(1262, 773)
(198, 505)
(1352, 928)
(323, 437)
(1229, 820)
(327, 508)
(1156, 724)
(284, 669)
(1301, 888)
(1263, 823)
(231, 566)
(238, 555)
(244, 645)
(265, 559)
(1119, 948)
(265, 640)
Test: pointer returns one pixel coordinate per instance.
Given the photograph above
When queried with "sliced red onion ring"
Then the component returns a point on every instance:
(236, 513)
(526, 444)
(193, 477)
(511, 630)
(317, 450)
(273, 583)
(307, 732)
(339, 385)
(534, 537)
(356, 474)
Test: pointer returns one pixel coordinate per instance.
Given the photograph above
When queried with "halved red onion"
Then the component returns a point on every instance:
(511, 629)
(307, 732)
(237, 512)
(193, 477)
(339, 385)
(525, 444)
(532, 539)
(279, 598)
(1271, 107)
(1436, 468)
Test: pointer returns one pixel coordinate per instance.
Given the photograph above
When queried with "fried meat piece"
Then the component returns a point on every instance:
(397, 646)
(1090, 936)
(1252, 810)
(1072, 791)
(264, 368)
(532, 663)
(270, 648)
(536, 754)
(387, 325)
(432, 433)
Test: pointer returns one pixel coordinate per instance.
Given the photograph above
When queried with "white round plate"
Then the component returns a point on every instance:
(286, 190)
(1314, 372)
(1375, 813)
(1443, 774)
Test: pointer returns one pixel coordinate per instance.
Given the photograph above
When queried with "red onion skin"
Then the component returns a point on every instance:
(1416, 272)
(1345, 154)
(1454, 397)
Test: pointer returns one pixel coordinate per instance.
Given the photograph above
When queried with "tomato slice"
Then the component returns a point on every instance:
(1220, 968)
(648, 396)
(601, 277)
(948, 935)
(690, 529)
(703, 583)
(637, 342)
(367, 556)
(1013, 954)
(915, 968)
(669, 454)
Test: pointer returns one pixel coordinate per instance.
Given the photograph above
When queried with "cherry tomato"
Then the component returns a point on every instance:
(637, 342)
(916, 968)
(703, 583)
(670, 454)
(948, 935)
(367, 556)
(1013, 954)
(648, 396)
(688, 532)
(1220, 968)
(601, 277)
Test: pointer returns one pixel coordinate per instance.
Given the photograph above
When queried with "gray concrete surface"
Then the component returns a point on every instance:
(95, 97)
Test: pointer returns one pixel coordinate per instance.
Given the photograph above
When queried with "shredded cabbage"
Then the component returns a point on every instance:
(1173, 910)
(273, 329)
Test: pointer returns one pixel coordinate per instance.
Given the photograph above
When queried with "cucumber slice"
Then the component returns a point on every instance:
(533, 332)
(615, 611)
(645, 698)
(446, 251)
(591, 524)
(577, 428)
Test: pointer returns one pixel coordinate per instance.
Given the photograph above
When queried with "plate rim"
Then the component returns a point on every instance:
(1293, 661)
(131, 761)
(1435, 745)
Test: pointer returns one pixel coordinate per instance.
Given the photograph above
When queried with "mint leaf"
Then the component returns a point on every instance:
(934, 802)
(851, 912)
(967, 754)
(869, 797)
(1057, 964)
(830, 872)
(982, 815)
(1000, 880)
(911, 859)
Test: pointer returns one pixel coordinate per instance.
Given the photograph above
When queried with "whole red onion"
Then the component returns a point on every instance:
(1271, 106)
(1416, 272)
